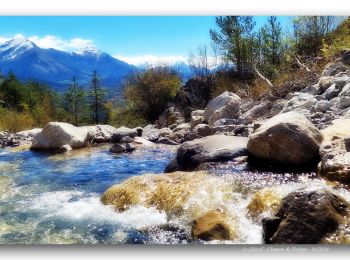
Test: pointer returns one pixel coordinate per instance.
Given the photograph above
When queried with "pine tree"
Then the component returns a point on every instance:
(270, 46)
(236, 40)
(75, 101)
(97, 98)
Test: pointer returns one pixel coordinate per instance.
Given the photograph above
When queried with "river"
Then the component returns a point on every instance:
(55, 198)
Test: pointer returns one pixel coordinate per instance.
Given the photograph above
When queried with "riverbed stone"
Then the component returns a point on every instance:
(100, 133)
(214, 225)
(305, 217)
(288, 138)
(207, 149)
(56, 134)
(203, 130)
(122, 132)
(121, 148)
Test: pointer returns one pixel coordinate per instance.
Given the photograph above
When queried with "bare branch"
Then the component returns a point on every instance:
(262, 77)
(304, 66)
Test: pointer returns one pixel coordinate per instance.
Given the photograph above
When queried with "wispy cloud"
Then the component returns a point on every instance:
(151, 59)
(55, 42)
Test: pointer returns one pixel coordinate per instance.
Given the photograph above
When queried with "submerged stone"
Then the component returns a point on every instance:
(214, 225)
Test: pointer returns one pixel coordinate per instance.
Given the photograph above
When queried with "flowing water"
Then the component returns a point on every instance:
(55, 199)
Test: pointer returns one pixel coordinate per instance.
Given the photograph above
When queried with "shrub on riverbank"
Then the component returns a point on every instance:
(13, 121)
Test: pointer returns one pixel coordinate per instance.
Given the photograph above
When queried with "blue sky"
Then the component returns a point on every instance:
(127, 37)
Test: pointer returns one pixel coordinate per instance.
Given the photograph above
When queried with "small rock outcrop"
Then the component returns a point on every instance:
(207, 149)
(305, 217)
(122, 148)
(335, 151)
(226, 105)
(54, 135)
(100, 133)
(287, 138)
(123, 131)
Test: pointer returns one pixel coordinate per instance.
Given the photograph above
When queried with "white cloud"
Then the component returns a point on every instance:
(151, 59)
(55, 42)
(50, 41)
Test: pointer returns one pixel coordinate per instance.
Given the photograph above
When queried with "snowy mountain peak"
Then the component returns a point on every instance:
(89, 50)
(15, 47)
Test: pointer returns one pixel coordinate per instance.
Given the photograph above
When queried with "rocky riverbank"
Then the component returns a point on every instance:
(307, 130)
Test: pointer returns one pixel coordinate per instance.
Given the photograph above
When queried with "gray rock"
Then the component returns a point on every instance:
(203, 130)
(126, 140)
(313, 89)
(344, 102)
(227, 105)
(332, 92)
(122, 132)
(345, 91)
(322, 106)
(288, 138)
(100, 133)
(341, 81)
(29, 133)
(305, 217)
(300, 101)
(207, 149)
(121, 148)
(56, 134)
(163, 132)
(255, 113)
(151, 133)
(182, 127)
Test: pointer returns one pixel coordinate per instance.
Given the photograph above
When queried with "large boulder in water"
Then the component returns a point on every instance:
(288, 138)
(227, 105)
(55, 135)
(305, 217)
(207, 149)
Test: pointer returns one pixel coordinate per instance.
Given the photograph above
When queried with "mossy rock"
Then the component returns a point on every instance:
(167, 192)
(214, 225)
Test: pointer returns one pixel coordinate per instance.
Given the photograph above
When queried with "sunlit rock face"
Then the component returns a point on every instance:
(226, 105)
(54, 135)
(167, 192)
(335, 151)
(288, 138)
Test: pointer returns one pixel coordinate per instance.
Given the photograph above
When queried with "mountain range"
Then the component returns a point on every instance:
(56, 68)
